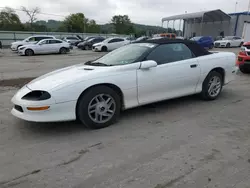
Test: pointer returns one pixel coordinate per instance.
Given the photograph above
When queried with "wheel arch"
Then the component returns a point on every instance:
(219, 70)
(112, 86)
(29, 49)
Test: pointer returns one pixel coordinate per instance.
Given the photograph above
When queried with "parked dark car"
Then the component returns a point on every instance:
(204, 41)
(87, 45)
(1, 46)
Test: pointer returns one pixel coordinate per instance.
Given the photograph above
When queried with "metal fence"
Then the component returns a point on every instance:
(7, 37)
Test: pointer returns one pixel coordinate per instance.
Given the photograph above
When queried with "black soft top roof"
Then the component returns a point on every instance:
(192, 45)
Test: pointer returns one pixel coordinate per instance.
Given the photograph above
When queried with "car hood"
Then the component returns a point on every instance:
(66, 76)
(17, 42)
(97, 44)
(28, 45)
(223, 41)
(82, 43)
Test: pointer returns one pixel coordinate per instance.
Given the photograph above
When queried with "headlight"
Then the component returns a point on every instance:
(21, 48)
(97, 45)
(37, 95)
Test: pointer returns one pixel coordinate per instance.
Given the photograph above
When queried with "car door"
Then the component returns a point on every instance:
(112, 44)
(52, 46)
(176, 74)
(42, 47)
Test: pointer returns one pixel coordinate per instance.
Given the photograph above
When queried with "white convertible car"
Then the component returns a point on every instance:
(136, 74)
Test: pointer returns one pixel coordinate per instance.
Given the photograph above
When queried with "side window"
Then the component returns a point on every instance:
(31, 39)
(52, 41)
(58, 41)
(173, 36)
(44, 42)
(119, 40)
(112, 41)
(167, 53)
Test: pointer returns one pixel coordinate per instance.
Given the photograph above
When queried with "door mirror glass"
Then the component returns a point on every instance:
(148, 64)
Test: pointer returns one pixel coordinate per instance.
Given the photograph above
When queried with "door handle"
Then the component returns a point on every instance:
(193, 66)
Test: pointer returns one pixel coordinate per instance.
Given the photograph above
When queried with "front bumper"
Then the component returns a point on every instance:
(56, 112)
(243, 60)
(13, 48)
(96, 48)
(21, 52)
(220, 45)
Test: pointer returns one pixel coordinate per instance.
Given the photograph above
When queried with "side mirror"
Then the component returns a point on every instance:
(148, 64)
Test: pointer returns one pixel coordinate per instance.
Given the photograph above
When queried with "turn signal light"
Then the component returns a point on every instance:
(38, 108)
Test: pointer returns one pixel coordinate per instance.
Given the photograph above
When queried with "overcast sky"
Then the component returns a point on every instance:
(140, 11)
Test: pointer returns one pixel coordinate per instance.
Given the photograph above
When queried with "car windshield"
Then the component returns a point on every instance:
(196, 38)
(124, 55)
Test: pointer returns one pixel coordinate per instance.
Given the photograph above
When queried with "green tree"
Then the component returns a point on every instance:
(122, 24)
(9, 20)
(75, 23)
(92, 27)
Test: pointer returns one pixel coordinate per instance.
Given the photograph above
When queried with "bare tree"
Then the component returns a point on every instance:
(31, 13)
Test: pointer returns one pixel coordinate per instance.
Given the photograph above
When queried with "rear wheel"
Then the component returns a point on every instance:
(228, 45)
(211, 46)
(29, 52)
(63, 51)
(87, 47)
(104, 49)
(212, 86)
(99, 107)
(244, 70)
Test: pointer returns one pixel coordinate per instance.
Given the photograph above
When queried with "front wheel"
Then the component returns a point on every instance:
(63, 51)
(212, 86)
(228, 45)
(99, 107)
(29, 52)
(241, 44)
(211, 46)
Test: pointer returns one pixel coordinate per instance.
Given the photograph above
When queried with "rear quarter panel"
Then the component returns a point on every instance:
(224, 60)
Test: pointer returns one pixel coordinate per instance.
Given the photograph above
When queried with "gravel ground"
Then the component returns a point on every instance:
(183, 143)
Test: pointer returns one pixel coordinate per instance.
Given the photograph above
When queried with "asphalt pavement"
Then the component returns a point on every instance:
(183, 143)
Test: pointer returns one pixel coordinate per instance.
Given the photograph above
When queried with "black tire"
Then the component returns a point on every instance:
(87, 47)
(211, 46)
(104, 49)
(228, 45)
(29, 52)
(244, 70)
(241, 44)
(63, 50)
(86, 98)
(205, 86)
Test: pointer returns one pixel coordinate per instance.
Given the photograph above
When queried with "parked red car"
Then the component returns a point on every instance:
(243, 60)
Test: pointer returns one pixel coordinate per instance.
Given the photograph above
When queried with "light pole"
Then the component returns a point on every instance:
(236, 3)
(248, 7)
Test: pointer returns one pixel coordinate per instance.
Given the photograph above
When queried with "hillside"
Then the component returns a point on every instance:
(54, 25)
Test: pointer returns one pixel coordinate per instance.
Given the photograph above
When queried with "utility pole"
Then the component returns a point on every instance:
(248, 7)
(236, 3)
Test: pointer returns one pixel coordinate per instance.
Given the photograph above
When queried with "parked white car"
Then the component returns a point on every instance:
(30, 40)
(71, 40)
(110, 44)
(136, 74)
(229, 41)
(45, 46)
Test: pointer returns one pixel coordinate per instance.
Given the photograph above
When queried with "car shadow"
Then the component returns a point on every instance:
(71, 127)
